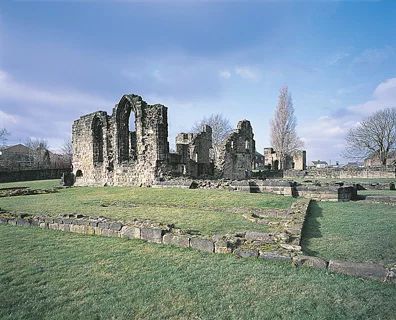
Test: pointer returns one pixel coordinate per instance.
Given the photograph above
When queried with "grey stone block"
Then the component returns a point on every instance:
(259, 236)
(109, 233)
(245, 252)
(12, 222)
(202, 244)
(151, 234)
(176, 240)
(309, 261)
(130, 232)
(23, 222)
(274, 256)
(364, 270)
(116, 226)
(64, 227)
(53, 226)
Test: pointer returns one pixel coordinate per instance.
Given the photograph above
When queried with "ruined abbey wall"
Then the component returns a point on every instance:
(105, 151)
(236, 159)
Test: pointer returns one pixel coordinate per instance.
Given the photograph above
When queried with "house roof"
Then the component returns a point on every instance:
(17, 149)
(319, 162)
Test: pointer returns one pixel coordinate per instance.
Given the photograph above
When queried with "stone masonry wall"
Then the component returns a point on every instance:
(104, 150)
(236, 158)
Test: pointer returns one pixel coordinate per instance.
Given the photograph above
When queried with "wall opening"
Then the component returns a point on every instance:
(276, 165)
(126, 133)
(97, 135)
(79, 174)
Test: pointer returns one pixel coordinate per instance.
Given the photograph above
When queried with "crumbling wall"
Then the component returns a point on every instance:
(106, 152)
(294, 161)
(236, 158)
(194, 150)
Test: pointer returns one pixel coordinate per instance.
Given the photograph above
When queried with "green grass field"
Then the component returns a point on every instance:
(48, 274)
(206, 211)
(354, 231)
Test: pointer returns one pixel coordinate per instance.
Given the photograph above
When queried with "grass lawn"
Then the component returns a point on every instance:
(373, 192)
(47, 274)
(35, 184)
(355, 231)
(206, 211)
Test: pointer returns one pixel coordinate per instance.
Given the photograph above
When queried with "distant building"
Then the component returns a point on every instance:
(19, 157)
(258, 161)
(295, 161)
(374, 160)
(353, 165)
(319, 164)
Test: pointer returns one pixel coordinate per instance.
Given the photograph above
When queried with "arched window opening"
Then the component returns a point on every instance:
(247, 146)
(97, 134)
(132, 136)
(79, 174)
(126, 136)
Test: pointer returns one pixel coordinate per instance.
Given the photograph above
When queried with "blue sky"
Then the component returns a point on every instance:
(61, 59)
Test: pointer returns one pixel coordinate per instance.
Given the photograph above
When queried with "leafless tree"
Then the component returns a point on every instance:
(221, 128)
(284, 138)
(67, 150)
(40, 153)
(3, 136)
(375, 136)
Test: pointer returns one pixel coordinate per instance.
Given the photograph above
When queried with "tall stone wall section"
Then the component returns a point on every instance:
(236, 158)
(105, 151)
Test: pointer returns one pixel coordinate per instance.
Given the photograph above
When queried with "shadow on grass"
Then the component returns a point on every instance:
(311, 228)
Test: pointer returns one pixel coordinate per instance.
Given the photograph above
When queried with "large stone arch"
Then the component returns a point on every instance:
(127, 104)
(97, 140)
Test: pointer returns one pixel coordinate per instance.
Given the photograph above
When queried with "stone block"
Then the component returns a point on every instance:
(53, 226)
(109, 233)
(77, 228)
(130, 232)
(23, 222)
(176, 240)
(116, 226)
(246, 252)
(64, 227)
(35, 222)
(151, 234)
(3, 220)
(89, 230)
(274, 256)
(364, 270)
(290, 247)
(43, 225)
(202, 244)
(309, 261)
(226, 245)
(12, 222)
(259, 236)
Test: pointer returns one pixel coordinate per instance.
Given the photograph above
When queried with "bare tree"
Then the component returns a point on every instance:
(374, 136)
(3, 136)
(40, 153)
(284, 138)
(221, 128)
(67, 150)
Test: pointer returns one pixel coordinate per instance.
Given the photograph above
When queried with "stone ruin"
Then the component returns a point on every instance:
(107, 152)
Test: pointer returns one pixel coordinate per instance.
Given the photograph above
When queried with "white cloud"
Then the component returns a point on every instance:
(225, 74)
(7, 119)
(17, 91)
(384, 96)
(247, 72)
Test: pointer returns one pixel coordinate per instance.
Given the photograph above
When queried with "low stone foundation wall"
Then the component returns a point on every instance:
(340, 173)
(284, 245)
(328, 193)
